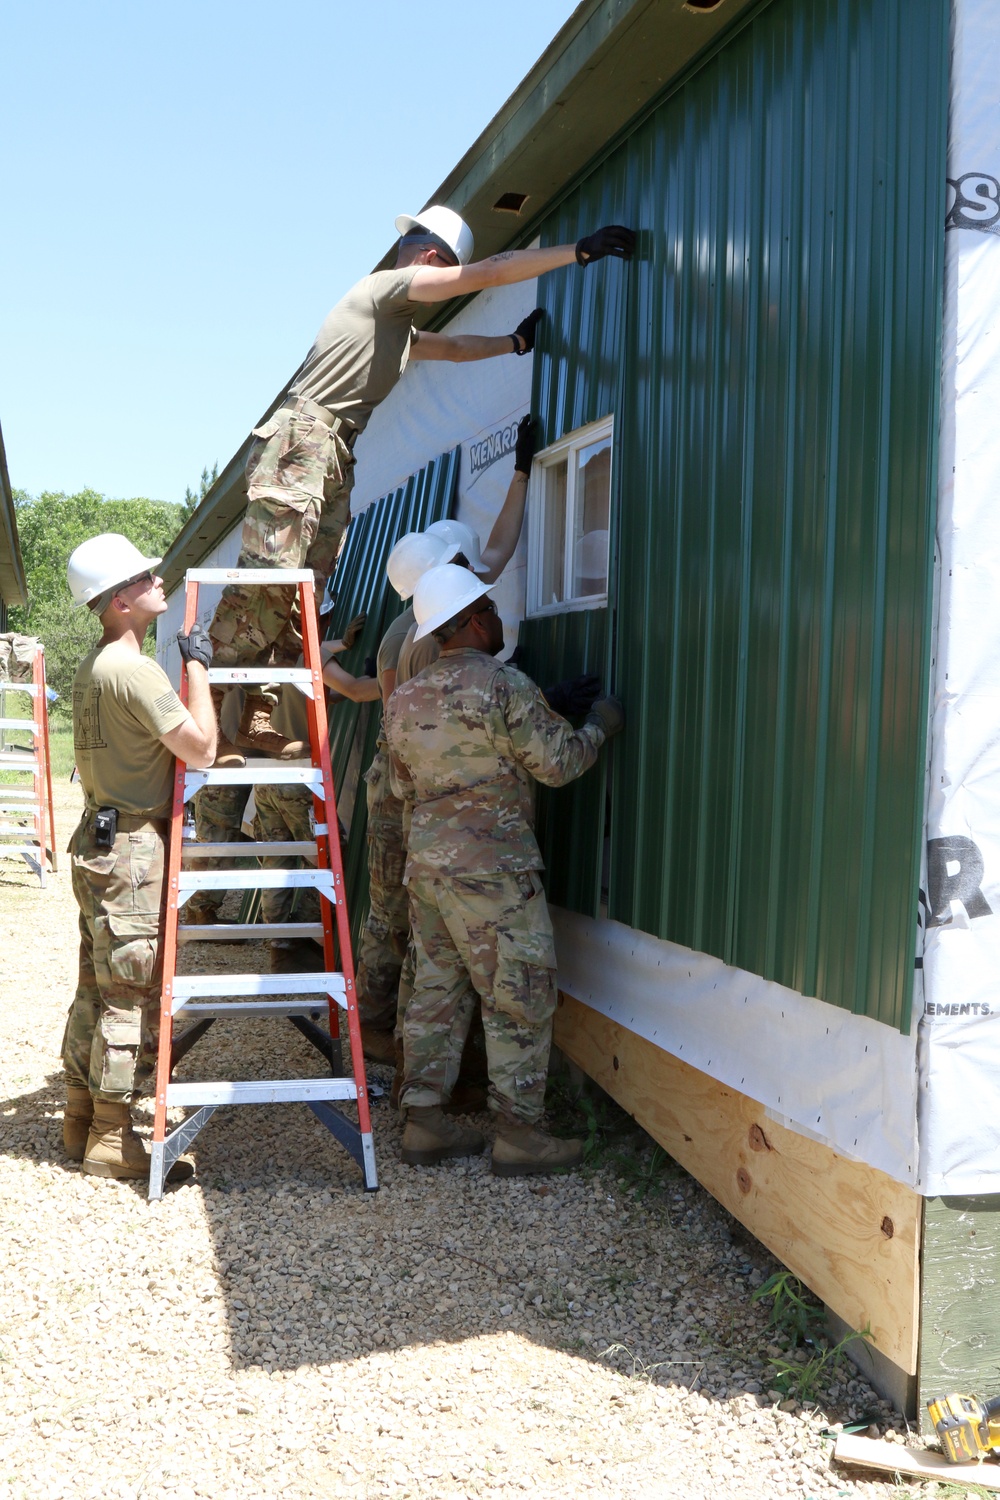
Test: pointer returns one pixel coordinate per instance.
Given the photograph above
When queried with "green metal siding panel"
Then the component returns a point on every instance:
(360, 584)
(772, 360)
(569, 820)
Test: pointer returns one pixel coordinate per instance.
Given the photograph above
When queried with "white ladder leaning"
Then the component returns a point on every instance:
(26, 811)
(304, 999)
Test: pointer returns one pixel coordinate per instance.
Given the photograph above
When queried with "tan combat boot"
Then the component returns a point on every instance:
(378, 1046)
(527, 1150)
(77, 1116)
(397, 1077)
(429, 1138)
(114, 1149)
(255, 732)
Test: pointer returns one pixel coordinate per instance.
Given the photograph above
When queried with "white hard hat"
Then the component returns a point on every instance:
(464, 540)
(442, 593)
(411, 557)
(103, 563)
(445, 224)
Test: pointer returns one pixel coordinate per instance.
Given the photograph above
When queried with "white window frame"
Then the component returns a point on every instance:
(582, 437)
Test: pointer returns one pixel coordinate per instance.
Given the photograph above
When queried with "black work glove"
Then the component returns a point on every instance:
(613, 239)
(526, 329)
(371, 667)
(353, 630)
(524, 446)
(574, 696)
(609, 714)
(195, 646)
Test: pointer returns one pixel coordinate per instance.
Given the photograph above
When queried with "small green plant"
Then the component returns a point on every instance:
(797, 1318)
(792, 1313)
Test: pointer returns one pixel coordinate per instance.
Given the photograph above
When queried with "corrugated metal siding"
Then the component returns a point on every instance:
(772, 361)
(360, 584)
(569, 820)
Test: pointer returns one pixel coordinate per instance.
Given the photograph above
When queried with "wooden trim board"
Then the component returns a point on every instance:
(924, 1463)
(850, 1232)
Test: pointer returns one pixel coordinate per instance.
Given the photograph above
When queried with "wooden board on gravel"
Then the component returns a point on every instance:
(923, 1463)
(850, 1232)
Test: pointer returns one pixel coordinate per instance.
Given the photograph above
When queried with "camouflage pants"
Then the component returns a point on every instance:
(387, 930)
(121, 894)
(488, 937)
(299, 478)
(283, 813)
(218, 819)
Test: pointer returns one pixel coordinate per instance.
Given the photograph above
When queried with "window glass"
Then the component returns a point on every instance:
(553, 587)
(569, 518)
(592, 513)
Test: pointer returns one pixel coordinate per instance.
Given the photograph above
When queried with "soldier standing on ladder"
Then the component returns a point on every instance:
(128, 724)
(300, 468)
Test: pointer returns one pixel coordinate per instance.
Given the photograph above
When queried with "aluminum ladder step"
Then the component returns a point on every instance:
(300, 676)
(219, 1010)
(256, 577)
(238, 932)
(322, 983)
(261, 1091)
(28, 724)
(252, 880)
(270, 773)
(303, 848)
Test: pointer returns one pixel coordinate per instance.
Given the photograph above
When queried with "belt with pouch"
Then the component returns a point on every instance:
(345, 430)
(133, 822)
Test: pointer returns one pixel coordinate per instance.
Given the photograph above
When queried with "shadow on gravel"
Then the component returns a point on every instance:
(315, 1271)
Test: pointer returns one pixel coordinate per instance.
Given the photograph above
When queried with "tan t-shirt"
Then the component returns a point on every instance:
(362, 348)
(122, 704)
(415, 655)
(391, 643)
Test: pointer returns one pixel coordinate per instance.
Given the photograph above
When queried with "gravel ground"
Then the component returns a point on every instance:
(272, 1330)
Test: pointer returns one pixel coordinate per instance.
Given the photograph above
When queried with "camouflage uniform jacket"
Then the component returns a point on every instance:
(467, 735)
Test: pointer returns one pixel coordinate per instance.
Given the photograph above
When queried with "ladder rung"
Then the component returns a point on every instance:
(269, 773)
(233, 932)
(220, 1009)
(10, 851)
(19, 760)
(18, 791)
(18, 809)
(301, 675)
(254, 880)
(19, 687)
(260, 576)
(262, 1091)
(19, 724)
(240, 850)
(187, 986)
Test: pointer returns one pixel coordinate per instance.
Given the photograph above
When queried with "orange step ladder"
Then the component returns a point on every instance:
(303, 999)
(27, 820)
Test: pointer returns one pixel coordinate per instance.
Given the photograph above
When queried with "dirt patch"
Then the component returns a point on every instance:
(273, 1330)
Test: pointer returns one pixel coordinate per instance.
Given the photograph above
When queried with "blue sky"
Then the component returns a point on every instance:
(187, 189)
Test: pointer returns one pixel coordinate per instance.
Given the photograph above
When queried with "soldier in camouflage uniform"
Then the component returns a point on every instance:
(384, 964)
(128, 723)
(299, 472)
(285, 813)
(218, 819)
(467, 737)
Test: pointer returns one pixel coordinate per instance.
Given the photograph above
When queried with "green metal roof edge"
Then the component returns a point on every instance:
(600, 72)
(13, 583)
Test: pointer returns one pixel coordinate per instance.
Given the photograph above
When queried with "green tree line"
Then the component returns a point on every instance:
(50, 525)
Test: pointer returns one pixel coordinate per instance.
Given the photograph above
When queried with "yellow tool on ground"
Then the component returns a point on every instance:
(967, 1428)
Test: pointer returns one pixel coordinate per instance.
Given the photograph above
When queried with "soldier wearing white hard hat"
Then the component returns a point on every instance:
(300, 467)
(128, 725)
